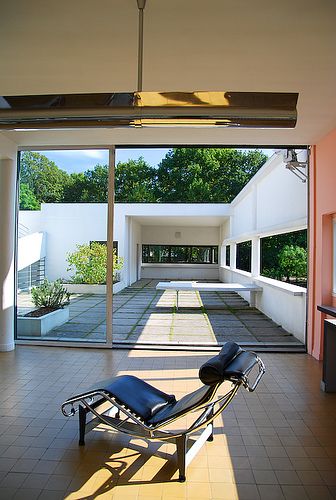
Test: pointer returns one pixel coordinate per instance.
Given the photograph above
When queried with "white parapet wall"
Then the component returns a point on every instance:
(31, 248)
(180, 271)
(284, 303)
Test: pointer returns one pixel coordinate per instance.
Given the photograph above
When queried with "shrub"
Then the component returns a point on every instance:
(89, 263)
(53, 295)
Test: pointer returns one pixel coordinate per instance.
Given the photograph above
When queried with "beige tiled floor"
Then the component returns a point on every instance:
(276, 443)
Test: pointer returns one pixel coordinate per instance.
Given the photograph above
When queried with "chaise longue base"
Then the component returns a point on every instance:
(130, 405)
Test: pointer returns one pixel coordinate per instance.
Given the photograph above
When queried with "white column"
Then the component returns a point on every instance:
(7, 243)
(110, 226)
(233, 255)
(255, 260)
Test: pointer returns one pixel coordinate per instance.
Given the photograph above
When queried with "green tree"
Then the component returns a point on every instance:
(96, 185)
(184, 175)
(74, 188)
(206, 174)
(89, 263)
(28, 199)
(271, 247)
(87, 187)
(135, 182)
(293, 262)
(43, 177)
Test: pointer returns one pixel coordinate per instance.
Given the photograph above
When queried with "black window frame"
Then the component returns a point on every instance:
(168, 252)
(227, 255)
(244, 256)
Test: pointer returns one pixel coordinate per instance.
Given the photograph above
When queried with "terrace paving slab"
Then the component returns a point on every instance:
(123, 321)
(230, 321)
(145, 315)
(231, 331)
(74, 327)
(153, 322)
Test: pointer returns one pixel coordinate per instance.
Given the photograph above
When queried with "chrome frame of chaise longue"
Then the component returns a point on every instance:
(146, 411)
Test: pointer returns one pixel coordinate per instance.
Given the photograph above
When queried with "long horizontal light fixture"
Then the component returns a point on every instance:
(141, 109)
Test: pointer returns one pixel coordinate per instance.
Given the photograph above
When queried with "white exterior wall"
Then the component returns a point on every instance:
(31, 220)
(134, 246)
(274, 201)
(65, 225)
(285, 197)
(243, 219)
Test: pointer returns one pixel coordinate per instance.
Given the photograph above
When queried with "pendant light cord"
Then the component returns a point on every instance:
(141, 7)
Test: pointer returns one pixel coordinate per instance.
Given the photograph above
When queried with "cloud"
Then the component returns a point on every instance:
(77, 160)
(95, 153)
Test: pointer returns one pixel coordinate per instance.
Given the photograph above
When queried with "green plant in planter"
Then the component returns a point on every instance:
(89, 263)
(51, 294)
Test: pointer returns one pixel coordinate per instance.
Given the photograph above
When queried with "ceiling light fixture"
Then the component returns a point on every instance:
(143, 108)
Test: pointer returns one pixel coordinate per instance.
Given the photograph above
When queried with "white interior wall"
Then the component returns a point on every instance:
(7, 251)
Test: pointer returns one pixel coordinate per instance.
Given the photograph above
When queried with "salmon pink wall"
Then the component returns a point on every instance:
(322, 211)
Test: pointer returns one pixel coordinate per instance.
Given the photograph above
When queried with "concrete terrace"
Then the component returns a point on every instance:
(143, 315)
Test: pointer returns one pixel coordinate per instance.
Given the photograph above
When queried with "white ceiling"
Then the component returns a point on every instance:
(238, 45)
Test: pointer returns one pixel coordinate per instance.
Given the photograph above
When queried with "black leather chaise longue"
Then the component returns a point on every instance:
(128, 404)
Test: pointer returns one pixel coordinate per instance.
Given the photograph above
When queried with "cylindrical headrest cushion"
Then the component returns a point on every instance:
(212, 372)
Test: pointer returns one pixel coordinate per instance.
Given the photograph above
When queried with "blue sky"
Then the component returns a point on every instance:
(79, 161)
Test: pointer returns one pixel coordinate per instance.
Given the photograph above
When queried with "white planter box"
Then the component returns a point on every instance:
(83, 288)
(37, 327)
(94, 289)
